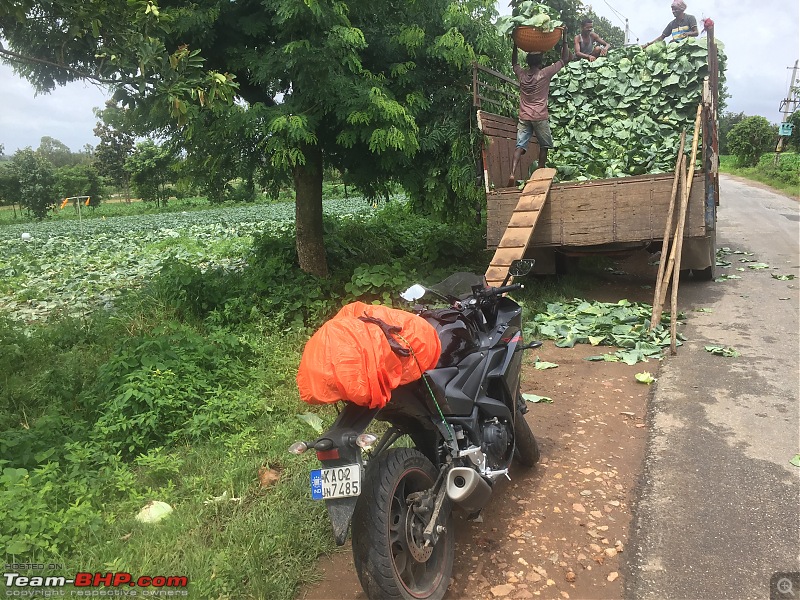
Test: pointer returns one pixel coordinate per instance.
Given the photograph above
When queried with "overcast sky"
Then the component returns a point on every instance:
(761, 37)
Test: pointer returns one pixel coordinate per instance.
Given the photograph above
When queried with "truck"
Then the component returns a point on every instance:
(601, 216)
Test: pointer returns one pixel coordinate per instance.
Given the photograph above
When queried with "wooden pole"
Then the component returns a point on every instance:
(658, 297)
(678, 245)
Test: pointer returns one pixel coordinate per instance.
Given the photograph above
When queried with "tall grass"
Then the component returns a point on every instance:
(783, 176)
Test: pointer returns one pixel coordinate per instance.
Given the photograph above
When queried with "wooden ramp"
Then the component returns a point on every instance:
(520, 228)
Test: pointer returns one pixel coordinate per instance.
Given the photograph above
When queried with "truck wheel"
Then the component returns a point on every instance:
(389, 551)
(706, 274)
(526, 450)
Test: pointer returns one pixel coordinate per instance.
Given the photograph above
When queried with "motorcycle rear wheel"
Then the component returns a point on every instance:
(388, 550)
(526, 450)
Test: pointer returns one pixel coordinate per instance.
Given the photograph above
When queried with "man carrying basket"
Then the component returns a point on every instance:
(534, 90)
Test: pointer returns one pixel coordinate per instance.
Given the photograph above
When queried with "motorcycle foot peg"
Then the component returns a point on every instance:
(466, 488)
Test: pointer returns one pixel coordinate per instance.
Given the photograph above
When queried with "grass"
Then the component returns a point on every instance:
(785, 176)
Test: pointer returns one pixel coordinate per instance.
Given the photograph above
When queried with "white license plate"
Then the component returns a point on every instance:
(336, 482)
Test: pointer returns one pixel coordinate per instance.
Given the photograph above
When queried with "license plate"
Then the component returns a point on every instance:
(336, 482)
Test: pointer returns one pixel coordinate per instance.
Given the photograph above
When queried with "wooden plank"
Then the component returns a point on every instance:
(496, 274)
(516, 239)
(503, 257)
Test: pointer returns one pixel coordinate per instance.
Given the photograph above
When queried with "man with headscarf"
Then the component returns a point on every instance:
(681, 27)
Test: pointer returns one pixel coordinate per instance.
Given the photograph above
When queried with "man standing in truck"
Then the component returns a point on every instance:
(534, 89)
(681, 27)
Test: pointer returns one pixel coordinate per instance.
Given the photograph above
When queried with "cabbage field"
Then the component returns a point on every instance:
(72, 267)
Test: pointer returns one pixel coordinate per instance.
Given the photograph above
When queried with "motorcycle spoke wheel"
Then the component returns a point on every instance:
(389, 549)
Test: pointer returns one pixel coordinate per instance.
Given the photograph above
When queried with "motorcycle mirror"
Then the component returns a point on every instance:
(415, 292)
(520, 268)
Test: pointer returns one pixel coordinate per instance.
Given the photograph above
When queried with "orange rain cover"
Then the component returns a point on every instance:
(348, 359)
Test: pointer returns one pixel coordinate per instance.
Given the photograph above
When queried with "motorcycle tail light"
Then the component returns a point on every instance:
(328, 454)
(365, 440)
(298, 448)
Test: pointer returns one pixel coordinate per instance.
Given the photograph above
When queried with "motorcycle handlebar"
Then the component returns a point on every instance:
(498, 291)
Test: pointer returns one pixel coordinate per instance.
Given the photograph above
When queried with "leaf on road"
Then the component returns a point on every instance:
(313, 420)
(704, 310)
(795, 460)
(542, 365)
(535, 399)
(759, 266)
(782, 277)
(645, 377)
(722, 351)
(726, 277)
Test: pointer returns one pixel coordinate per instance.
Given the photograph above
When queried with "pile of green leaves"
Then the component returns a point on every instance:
(623, 114)
(530, 14)
(622, 324)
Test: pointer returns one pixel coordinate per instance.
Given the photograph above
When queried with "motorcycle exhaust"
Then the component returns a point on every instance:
(468, 489)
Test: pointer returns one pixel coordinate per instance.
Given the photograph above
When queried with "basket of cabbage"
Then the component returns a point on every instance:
(535, 27)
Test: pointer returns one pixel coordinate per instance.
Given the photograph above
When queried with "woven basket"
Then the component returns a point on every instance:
(533, 40)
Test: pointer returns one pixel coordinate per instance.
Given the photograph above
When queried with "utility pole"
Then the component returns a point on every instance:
(787, 107)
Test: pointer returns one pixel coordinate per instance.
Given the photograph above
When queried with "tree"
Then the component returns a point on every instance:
(727, 120)
(9, 186)
(151, 169)
(750, 138)
(36, 181)
(79, 180)
(604, 28)
(116, 145)
(378, 90)
(794, 139)
(56, 152)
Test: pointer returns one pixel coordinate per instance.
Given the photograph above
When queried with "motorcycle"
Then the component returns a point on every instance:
(465, 418)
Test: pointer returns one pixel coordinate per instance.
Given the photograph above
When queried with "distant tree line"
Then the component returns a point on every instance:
(748, 137)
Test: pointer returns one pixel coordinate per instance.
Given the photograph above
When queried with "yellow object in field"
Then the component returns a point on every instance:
(64, 203)
(87, 202)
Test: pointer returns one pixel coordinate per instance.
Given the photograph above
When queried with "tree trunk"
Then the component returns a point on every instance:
(308, 213)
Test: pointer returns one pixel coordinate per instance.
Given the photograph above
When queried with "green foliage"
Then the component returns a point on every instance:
(785, 175)
(379, 283)
(171, 385)
(750, 138)
(37, 191)
(623, 324)
(116, 144)
(727, 120)
(623, 114)
(151, 169)
(794, 139)
(79, 180)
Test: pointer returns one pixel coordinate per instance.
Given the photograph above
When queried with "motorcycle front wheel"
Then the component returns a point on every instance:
(389, 552)
(526, 450)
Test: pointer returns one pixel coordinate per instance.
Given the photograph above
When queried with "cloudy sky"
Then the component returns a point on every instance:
(762, 41)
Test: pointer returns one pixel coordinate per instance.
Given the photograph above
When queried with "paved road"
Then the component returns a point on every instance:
(719, 505)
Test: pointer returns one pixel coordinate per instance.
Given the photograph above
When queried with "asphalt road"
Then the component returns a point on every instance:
(719, 503)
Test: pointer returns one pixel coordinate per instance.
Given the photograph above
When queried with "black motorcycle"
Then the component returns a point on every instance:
(466, 421)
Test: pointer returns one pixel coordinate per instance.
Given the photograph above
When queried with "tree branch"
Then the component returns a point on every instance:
(16, 57)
